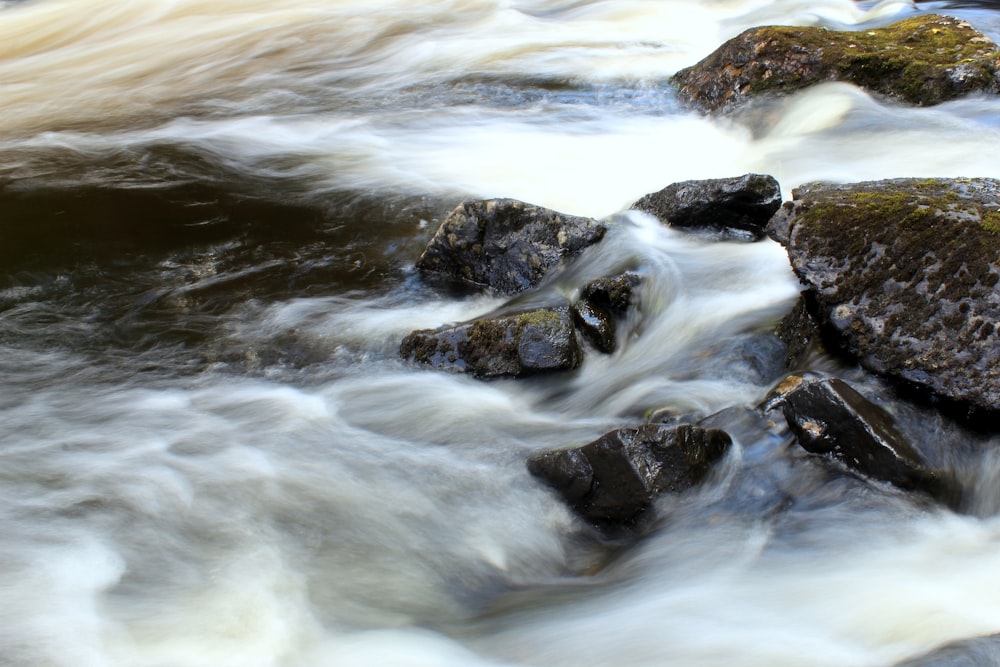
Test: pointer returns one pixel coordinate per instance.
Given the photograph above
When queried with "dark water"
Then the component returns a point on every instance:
(210, 453)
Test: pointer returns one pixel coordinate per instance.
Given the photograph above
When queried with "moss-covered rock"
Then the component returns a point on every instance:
(922, 60)
(535, 341)
(903, 276)
(505, 245)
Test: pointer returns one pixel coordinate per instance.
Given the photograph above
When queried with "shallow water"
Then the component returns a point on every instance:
(211, 454)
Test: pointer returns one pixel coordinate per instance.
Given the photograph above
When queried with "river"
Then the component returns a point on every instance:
(210, 453)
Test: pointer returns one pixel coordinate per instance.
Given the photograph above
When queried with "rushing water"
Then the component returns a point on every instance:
(210, 453)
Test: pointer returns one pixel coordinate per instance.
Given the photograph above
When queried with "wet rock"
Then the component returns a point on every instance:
(601, 302)
(800, 334)
(903, 274)
(536, 341)
(829, 417)
(504, 244)
(613, 293)
(740, 206)
(921, 60)
(976, 652)
(614, 479)
(596, 324)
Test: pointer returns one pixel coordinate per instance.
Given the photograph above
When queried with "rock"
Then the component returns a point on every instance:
(800, 334)
(922, 60)
(829, 417)
(904, 274)
(976, 652)
(613, 293)
(504, 244)
(596, 324)
(535, 341)
(614, 480)
(601, 301)
(741, 204)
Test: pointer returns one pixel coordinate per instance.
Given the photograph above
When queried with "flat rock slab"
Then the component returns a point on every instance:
(616, 478)
(505, 245)
(527, 343)
(922, 60)
(829, 417)
(903, 274)
(742, 204)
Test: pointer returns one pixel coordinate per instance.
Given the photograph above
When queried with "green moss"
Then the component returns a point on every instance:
(930, 232)
(922, 60)
(537, 318)
(991, 222)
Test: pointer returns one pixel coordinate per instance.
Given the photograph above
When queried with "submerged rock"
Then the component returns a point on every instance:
(829, 417)
(614, 479)
(976, 652)
(921, 60)
(536, 341)
(903, 274)
(504, 244)
(741, 204)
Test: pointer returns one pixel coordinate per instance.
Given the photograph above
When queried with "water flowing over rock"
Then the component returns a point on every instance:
(829, 417)
(922, 60)
(902, 275)
(616, 478)
(740, 205)
(536, 341)
(976, 652)
(602, 301)
(504, 244)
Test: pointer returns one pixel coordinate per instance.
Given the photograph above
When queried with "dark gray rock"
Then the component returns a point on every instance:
(921, 60)
(828, 417)
(976, 652)
(903, 275)
(602, 301)
(614, 480)
(596, 324)
(614, 293)
(800, 334)
(536, 341)
(504, 244)
(741, 204)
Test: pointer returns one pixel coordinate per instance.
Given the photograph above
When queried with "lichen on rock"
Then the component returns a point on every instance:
(519, 344)
(922, 60)
(505, 245)
(903, 274)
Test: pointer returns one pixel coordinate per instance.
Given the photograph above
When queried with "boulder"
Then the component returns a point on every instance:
(602, 302)
(505, 245)
(615, 479)
(739, 206)
(829, 417)
(903, 276)
(922, 60)
(526, 343)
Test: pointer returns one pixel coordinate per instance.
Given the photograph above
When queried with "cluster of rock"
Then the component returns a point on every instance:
(900, 275)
